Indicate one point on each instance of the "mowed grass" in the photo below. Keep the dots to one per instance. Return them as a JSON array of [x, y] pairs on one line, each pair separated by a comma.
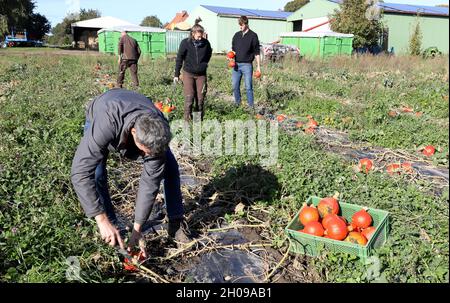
[[42, 98]]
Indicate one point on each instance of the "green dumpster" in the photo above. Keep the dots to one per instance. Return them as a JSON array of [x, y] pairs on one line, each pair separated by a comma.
[[151, 40], [319, 44]]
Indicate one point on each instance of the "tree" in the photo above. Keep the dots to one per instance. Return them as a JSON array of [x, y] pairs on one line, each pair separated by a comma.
[[16, 12], [415, 41], [360, 18], [152, 21], [3, 25], [19, 15], [62, 32], [86, 14], [294, 5], [37, 26]]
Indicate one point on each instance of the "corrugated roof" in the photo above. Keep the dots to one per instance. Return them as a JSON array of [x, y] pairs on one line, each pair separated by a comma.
[[101, 22], [410, 9], [133, 28], [250, 13], [414, 9]]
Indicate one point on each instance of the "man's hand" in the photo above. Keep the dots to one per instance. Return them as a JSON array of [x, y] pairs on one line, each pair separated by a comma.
[[136, 239], [176, 80], [118, 60], [109, 232]]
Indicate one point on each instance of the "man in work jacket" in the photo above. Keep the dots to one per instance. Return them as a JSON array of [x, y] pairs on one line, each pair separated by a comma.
[[127, 122], [129, 54]]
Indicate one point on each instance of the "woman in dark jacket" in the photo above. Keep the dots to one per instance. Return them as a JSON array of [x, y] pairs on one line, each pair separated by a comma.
[[194, 53]]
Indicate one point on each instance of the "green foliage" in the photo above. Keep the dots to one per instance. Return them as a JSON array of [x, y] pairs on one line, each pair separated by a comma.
[[294, 5], [16, 12], [20, 15], [415, 40], [37, 26], [355, 17], [3, 25], [151, 21], [41, 220]]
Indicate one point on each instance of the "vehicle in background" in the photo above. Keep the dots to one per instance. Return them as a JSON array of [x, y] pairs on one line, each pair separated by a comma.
[[19, 39], [275, 52]]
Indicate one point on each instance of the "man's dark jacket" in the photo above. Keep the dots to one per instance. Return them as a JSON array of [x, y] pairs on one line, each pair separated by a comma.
[[112, 115], [246, 46], [129, 48]]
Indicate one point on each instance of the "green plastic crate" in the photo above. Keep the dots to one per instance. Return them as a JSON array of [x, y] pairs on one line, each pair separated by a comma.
[[313, 246]]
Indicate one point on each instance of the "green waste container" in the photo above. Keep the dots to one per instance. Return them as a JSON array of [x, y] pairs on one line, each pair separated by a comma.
[[151, 40], [319, 44]]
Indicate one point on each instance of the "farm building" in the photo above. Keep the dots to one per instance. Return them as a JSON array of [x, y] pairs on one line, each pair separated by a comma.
[[179, 22], [221, 24], [399, 21], [84, 33]]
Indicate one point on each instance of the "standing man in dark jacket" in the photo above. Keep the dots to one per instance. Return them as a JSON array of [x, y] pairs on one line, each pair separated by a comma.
[[246, 46], [129, 54], [127, 122], [195, 52]]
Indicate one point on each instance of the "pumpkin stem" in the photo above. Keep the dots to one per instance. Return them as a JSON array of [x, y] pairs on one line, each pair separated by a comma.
[[336, 195]]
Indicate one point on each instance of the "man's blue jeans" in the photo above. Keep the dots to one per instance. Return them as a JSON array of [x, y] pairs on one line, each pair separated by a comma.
[[246, 70], [171, 186]]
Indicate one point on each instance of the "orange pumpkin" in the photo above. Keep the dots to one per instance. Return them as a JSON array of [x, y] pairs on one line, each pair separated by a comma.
[[362, 219], [328, 206], [356, 238], [336, 230], [365, 165], [429, 150], [368, 232], [308, 214], [230, 55], [313, 228]]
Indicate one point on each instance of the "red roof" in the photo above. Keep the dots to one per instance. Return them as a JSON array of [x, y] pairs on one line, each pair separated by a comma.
[[180, 17]]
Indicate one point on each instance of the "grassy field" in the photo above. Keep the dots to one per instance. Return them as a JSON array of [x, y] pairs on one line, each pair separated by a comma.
[[42, 95]]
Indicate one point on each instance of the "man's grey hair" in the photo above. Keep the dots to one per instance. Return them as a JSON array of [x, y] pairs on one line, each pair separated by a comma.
[[154, 133]]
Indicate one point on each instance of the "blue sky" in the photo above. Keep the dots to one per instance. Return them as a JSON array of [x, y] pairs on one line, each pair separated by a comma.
[[135, 10]]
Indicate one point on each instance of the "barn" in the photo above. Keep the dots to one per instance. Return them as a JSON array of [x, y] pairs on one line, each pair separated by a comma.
[[399, 21], [84, 33], [221, 23]]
